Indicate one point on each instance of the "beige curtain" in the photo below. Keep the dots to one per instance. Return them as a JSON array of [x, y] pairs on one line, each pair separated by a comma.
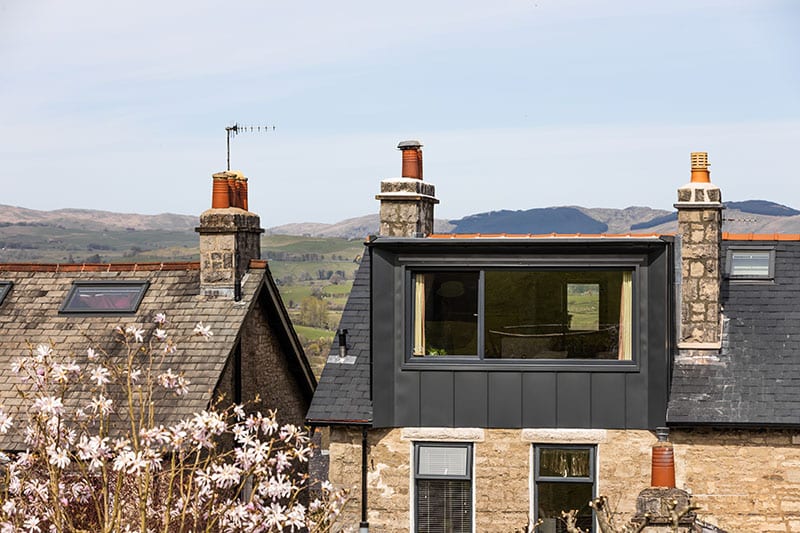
[[419, 314], [625, 317]]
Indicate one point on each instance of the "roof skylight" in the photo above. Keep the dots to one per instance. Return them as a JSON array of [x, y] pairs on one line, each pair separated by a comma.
[[104, 297]]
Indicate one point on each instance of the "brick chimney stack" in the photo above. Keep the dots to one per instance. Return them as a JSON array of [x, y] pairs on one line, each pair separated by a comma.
[[407, 202], [230, 236], [700, 231]]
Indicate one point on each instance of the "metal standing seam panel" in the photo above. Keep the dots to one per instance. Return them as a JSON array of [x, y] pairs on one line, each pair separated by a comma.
[[436, 399], [383, 340], [505, 400], [471, 399], [539, 400], [608, 401], [573, 397], [407, 408]]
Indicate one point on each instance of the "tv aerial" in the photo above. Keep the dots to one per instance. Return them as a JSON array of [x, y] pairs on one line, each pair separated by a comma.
[[236, 129]]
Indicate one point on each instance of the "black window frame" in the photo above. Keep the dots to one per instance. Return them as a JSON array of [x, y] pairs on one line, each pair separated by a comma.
[[536, 478], [770, 276], [78, 285], [412, 361], [468, 476], [5, 288]]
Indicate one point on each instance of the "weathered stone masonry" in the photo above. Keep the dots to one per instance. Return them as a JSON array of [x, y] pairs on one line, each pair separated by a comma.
[[743, 480], [700, 229]]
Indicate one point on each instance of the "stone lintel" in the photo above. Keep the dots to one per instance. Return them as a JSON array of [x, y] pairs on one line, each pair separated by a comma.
[[564, 436], [443, 434], [210, 230], [699, 205], [406, 197], [700, 346]]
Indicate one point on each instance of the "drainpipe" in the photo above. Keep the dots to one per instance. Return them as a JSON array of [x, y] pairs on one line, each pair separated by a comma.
[[363, 527]]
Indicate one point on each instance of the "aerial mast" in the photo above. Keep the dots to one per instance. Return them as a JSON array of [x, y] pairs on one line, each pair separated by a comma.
[[236, 128]]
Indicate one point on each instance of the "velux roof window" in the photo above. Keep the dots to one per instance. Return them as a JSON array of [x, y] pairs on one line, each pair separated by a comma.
[[104, 297], [5, 287], [751, 263]]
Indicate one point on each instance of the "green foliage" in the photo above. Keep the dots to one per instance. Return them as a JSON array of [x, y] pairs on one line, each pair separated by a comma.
[[313, 312]]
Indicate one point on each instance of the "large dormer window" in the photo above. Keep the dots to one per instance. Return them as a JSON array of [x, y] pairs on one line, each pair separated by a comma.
[[522, 314], [104, 297]]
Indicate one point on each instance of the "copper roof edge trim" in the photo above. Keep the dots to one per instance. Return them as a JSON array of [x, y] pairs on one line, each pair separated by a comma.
[[727, 236], [476, 236]]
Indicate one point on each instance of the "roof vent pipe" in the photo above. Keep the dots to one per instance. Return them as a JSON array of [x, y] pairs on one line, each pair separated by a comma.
[[412, 159]]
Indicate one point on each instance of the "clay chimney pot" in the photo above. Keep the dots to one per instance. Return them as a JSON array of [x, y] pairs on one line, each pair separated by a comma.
[[220, 197], [700, 172], [412, 159]]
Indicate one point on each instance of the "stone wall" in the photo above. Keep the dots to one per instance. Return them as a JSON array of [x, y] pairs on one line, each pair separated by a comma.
[[742, 480], [406, 207], [700, 274], [266, 370], [229, 238]]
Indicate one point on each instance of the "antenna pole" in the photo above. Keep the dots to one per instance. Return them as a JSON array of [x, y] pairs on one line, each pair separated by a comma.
[[236, 128]]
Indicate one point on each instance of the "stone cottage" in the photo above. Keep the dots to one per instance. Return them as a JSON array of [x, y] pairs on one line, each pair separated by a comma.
[[254, 351], [483, 382]]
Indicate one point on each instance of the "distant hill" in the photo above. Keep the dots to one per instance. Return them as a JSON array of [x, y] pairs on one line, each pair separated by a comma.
[[91, 219], [66, 235], [541, 220]]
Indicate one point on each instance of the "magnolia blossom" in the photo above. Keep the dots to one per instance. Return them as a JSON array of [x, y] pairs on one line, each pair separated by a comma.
[[100, 375], [42, 351], [6, 421], [48, 405], [111, 458], [136, 331], [203, 331]]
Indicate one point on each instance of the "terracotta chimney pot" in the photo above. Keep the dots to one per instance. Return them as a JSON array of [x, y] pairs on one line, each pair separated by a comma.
[[663, 462], [234, 194], [412, 159], [220, 197], [243, 182], [700, 172]]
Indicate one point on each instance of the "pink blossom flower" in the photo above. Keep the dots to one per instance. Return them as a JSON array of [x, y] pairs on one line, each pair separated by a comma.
[[203, 331]]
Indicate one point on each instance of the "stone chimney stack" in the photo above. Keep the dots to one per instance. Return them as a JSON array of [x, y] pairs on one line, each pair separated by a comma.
[[230, 236], [407, 202], [700, 231]]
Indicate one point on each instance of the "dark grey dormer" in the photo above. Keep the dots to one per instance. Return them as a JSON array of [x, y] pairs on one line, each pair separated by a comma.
[[520, 332]]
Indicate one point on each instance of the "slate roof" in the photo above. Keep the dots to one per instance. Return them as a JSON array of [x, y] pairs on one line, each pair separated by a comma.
[[757, 378], [343, 392], [29, 314]]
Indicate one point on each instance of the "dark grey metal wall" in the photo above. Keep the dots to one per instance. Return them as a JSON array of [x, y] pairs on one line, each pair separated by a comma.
[[524, 393]]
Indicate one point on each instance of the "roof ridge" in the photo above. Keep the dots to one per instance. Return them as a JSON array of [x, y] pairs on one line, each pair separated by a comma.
[[100, 267]]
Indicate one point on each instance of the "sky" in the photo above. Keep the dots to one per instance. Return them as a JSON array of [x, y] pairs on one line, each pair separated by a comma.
[[122, 106]]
